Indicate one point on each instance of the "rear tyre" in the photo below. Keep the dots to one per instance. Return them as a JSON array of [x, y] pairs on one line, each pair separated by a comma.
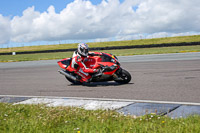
[[125, 77]]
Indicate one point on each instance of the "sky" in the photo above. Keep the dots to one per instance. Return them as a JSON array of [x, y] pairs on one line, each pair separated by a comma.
[[38, 22]]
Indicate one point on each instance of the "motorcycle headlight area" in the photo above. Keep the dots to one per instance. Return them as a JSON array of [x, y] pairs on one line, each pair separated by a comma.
[[112, 60]]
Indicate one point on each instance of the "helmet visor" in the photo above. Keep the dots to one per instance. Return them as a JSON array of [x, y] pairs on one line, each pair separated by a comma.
[[84, 51]]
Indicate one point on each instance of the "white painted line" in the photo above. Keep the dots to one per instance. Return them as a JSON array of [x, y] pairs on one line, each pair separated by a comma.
[[86, 104], [104, 99], [112, 105], [36, 101]]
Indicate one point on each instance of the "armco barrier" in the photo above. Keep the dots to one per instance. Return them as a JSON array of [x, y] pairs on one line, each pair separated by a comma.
[[110, 48]]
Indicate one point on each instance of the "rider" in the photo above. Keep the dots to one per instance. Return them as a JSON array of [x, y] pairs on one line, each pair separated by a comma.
[[78, 59]]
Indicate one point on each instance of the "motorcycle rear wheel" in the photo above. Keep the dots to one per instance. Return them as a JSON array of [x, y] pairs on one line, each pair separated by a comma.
[[126, 77]]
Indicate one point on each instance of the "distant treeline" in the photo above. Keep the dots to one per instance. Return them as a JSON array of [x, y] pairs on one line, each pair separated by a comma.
[[109, 48]]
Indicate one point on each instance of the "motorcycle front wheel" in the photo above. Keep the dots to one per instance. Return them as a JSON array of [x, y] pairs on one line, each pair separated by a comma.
[[125, 77]]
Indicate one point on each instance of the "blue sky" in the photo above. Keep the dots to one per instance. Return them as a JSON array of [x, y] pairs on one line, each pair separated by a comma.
[[16, 7], [40, 22]]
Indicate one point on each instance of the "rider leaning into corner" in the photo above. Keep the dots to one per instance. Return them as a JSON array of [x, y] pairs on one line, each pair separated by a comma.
[[80, 56]]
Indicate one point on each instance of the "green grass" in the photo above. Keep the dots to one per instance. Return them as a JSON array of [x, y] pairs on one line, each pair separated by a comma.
[[180, 39], [123, 52], [43, 119]]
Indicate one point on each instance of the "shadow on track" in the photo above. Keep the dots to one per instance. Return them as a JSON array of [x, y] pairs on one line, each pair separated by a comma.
[[98, 84]]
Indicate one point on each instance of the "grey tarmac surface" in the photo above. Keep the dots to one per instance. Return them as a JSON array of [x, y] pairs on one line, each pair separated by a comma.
[[167, 77]]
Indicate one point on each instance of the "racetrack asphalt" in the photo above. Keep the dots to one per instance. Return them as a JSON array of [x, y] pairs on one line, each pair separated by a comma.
[[166, 77]]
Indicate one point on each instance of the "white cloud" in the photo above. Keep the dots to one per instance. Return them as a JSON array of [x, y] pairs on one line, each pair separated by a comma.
[[165, 16], [22, 27], [83, 20]]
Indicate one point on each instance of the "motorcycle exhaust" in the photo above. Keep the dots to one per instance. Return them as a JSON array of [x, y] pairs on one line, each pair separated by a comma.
[[67, 75]]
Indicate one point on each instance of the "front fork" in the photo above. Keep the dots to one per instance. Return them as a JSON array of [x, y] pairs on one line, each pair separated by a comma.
[[117, 74]]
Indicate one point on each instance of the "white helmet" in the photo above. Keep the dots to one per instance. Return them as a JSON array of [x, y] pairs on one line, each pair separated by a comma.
[[83, 49]]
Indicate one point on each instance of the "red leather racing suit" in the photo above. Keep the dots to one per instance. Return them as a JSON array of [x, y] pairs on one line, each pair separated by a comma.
[[82, 69]]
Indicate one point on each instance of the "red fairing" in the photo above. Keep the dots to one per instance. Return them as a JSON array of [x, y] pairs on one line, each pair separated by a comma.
[[112, 72], [63, 66], [91, 62]]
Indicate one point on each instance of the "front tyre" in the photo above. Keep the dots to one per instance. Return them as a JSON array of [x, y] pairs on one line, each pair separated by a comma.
[[124, 77]]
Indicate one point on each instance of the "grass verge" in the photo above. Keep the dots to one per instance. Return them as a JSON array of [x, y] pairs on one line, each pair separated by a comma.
[[180, 39], [40, 118], [123, 52]]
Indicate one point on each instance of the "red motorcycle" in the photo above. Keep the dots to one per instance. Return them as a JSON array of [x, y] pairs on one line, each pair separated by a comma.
[[107, 63]]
